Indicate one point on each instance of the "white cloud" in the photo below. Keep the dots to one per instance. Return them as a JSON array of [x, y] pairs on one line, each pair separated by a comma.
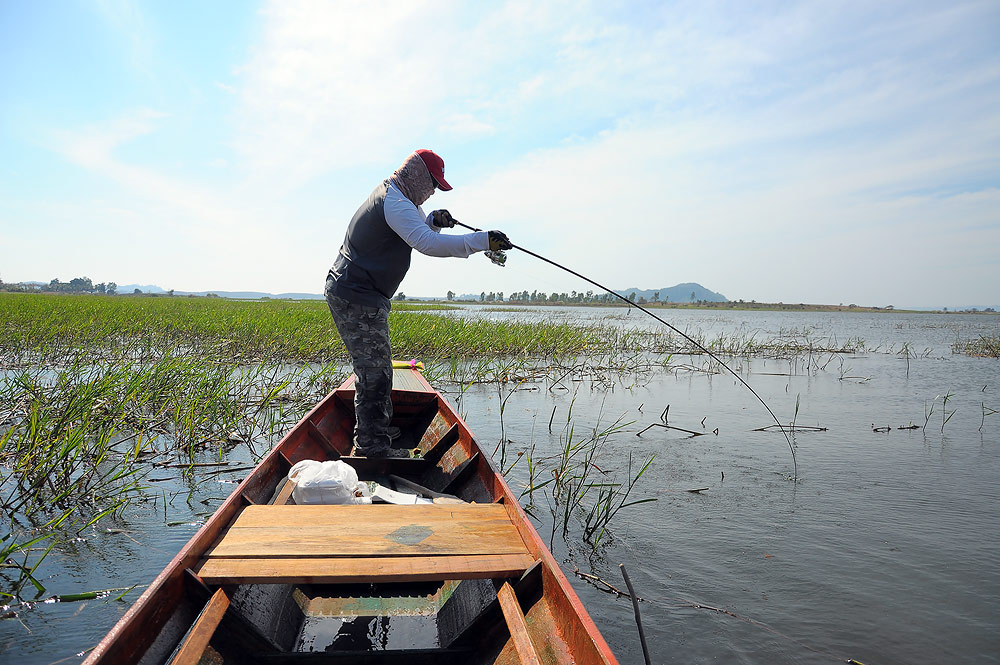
[[221, 240], [335, 80], [94, 149], [126, 18], [467, 125]]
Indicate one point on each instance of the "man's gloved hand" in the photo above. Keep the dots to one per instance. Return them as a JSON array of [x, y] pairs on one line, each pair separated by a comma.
[[442, 219], [499, 241]]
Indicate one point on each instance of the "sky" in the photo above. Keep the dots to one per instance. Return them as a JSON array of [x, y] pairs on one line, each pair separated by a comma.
[[818, 152]]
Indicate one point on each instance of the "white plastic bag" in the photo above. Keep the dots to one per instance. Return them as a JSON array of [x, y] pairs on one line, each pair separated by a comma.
[[327, 482]]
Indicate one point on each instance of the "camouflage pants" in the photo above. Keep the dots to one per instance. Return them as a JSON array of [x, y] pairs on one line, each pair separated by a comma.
[[365, 331]]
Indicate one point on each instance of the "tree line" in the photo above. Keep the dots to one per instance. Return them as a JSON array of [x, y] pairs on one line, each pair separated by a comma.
[[75, 285], [541, 297]]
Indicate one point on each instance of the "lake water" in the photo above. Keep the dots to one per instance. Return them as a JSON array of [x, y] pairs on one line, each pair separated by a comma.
[[884, 549]]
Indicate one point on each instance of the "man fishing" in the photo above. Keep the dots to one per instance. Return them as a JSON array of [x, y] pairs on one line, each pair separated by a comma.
[[369, 268]]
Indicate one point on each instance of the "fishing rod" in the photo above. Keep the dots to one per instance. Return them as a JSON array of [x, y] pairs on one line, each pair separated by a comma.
[[795, 466]]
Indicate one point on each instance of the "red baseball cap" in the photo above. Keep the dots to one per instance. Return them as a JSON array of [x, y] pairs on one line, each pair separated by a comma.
[[436, 166]]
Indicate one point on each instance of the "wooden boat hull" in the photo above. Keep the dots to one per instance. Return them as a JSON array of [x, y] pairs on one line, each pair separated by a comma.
[[264, 581]]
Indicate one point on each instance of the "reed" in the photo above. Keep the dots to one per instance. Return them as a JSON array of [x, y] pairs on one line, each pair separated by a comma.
[[53, 328], [986, 346], [576, 495], [24, 570], [612, 498], [945, 413]]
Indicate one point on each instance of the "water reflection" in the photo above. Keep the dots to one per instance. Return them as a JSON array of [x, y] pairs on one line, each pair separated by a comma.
[[368, 633]]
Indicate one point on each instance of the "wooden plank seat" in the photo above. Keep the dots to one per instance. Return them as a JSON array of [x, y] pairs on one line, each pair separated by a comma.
[[289, 544]]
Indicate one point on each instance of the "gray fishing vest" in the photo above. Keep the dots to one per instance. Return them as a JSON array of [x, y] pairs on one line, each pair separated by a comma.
[[373, 259]]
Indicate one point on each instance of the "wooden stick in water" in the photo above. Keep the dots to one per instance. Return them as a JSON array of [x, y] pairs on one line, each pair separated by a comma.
[[635, 608]]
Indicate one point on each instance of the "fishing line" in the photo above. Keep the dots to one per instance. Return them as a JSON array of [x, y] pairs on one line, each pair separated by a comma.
[[795, 466]]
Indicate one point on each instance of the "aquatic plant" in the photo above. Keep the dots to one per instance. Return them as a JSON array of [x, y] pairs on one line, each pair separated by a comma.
[[612, 498], [945, 413], [24, 572], [986, 346], [574, 494], [987, 411]]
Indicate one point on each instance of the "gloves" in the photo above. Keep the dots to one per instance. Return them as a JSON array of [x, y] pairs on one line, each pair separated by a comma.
[[442, 219], [499, 241]]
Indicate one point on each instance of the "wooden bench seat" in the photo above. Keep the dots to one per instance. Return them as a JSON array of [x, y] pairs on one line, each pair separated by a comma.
[[290, 544]]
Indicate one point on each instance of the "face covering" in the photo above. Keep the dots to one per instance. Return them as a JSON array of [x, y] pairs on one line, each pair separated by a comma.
[[414, 180]]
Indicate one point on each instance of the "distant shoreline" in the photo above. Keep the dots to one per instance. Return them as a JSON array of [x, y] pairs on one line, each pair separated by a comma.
[[732, 305]]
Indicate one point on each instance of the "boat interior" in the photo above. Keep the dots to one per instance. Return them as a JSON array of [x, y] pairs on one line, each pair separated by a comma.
[[463, 579]]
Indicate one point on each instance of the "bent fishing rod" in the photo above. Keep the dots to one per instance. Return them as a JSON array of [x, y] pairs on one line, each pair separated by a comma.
[[795, 466]]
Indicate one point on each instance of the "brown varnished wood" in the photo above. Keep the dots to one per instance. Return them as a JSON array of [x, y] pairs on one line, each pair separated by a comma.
[[526, 586], [373, 530], [284, 494], [307, 448], [203, 629], [333, 516], [517, 626], [348, 570], [436, 429], [370, 467], [436, 450]]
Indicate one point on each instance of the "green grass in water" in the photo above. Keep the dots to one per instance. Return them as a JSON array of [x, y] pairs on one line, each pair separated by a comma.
[[37, 326]]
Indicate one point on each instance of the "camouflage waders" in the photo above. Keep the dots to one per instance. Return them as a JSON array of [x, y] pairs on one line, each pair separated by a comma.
[[365, 331]]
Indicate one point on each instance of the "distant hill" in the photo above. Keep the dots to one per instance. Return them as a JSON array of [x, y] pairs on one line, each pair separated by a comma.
[[252, 295], [127, 289], [687, 292], [145, 288]]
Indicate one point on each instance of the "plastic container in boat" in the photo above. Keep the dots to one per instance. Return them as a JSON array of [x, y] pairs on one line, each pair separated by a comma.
[[330, 482]]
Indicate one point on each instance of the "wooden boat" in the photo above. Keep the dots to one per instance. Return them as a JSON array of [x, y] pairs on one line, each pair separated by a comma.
[[267, 581]]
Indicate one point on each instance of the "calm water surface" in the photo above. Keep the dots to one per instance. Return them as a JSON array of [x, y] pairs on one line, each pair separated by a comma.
[[886, 549]]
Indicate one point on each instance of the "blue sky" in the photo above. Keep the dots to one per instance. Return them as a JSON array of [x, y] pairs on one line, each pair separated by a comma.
[[827, 152]]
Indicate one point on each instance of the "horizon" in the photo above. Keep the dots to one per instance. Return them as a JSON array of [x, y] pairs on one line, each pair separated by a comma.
[[156, 290], [784, 152]]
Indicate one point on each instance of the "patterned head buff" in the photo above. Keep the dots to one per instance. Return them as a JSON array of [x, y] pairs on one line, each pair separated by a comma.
[[414, 180]]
